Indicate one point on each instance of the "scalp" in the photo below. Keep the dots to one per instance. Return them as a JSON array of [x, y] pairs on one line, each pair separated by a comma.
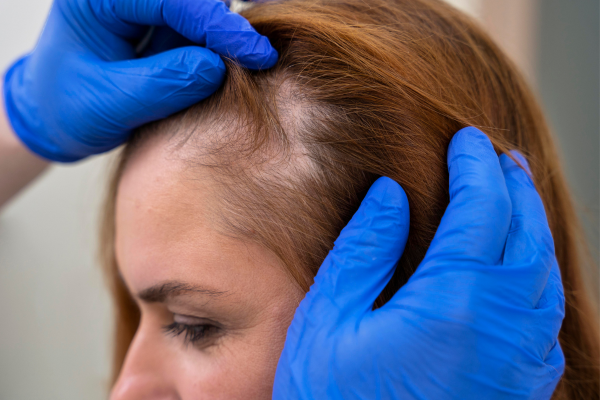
[[364, 89]]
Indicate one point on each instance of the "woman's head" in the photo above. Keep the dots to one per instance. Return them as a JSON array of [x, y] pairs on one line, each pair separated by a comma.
[[244, 193], [183, 272]]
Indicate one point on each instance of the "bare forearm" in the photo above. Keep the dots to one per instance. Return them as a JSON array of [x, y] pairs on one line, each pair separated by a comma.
[[18, 166]]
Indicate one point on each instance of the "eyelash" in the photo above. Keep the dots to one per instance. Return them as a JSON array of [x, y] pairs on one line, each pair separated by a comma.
[[192, 334]]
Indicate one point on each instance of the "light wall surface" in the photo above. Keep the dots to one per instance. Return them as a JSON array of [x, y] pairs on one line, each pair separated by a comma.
[[569, 84], [54, 312]]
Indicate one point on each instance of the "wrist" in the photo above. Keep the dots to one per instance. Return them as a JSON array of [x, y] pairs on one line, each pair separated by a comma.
[[10, 143], [18, 165]]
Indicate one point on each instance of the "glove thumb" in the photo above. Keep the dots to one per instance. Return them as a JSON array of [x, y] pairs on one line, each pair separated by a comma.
[[152, 88], [365, 254]]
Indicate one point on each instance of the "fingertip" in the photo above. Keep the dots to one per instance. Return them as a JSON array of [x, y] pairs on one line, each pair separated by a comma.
[[507, 163], [388, 193], [469, 140], [385, 212], [271, 58], [203, 66], [521, 159], [231, 35], [470, 131], [473, 166], [261, 55], [512, 170]]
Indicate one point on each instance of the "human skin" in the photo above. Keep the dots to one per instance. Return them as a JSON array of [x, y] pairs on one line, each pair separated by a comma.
[[168, 236], [18, 165]]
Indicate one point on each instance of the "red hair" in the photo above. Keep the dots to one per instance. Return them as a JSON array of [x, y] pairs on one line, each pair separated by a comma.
[[364, 89]]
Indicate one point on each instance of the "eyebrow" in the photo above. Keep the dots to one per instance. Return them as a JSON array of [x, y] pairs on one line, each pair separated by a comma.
[[162, 292]]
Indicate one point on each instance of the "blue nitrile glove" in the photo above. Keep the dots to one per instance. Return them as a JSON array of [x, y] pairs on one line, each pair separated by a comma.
[[479, 319], [83, 89]]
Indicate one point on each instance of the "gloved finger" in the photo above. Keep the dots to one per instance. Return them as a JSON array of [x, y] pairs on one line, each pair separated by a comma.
[[164, 38], [555, 368], [153, 88], [208, 23], [530, 240], [476, 222], [551, 309], [167, 82], [365, 254], [556, 361]]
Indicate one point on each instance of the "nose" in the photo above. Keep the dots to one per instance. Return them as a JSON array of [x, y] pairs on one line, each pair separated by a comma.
[[145, 373]]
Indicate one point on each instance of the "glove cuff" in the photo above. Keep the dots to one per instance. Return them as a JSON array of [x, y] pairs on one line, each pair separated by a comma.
[[22, 124]]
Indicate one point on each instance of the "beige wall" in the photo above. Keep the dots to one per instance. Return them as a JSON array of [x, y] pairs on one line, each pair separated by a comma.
[[512, 23], [54, 312]]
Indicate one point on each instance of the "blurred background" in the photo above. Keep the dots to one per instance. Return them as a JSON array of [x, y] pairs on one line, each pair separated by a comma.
[[55, 320]]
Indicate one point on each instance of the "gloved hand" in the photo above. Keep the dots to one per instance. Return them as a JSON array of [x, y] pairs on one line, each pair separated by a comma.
[[479, 319], [83, 89]]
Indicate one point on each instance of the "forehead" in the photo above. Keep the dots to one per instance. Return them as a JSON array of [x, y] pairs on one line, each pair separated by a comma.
[[167, 228]]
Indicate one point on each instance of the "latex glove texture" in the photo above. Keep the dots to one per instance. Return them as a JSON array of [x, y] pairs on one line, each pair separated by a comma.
[[83, 89], [479, 319]]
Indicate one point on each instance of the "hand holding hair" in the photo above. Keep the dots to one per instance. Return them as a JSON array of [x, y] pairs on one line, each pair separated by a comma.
[[480, 317], [84, 89]]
